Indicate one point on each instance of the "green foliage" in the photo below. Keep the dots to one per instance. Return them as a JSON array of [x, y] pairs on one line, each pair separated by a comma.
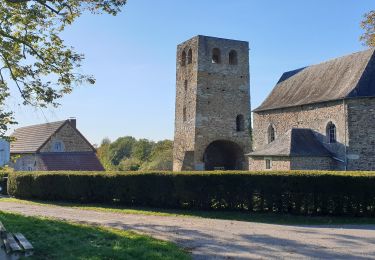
[[103, 154], [368, 24], [129, 164], [121, 148], [33, 56], [161, 157], [54, 239], [292, 192], [127, 153], [142, 149]]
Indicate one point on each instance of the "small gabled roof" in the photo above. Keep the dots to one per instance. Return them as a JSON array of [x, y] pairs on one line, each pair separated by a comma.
[[30, 139], [350, 76], [79, 161], [295, 142]]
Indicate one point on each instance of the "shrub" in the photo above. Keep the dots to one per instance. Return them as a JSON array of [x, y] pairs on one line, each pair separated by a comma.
[[294, 192]]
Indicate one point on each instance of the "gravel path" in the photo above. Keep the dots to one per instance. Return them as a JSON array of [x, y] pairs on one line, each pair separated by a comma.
[[225, 239]]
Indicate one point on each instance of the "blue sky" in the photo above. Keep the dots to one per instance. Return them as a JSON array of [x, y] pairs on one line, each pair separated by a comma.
[[132, 56]]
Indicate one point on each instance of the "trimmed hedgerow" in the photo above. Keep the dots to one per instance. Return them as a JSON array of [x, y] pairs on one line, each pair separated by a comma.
[[293, 192]]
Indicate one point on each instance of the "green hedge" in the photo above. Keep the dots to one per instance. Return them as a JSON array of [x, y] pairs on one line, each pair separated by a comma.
[[294, 192]]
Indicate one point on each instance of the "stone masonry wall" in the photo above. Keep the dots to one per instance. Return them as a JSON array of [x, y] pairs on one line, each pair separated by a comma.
[[277, 164], [184, 137], [72, 141], [217, 93], [361, 125], [315, 117], [312, 163]]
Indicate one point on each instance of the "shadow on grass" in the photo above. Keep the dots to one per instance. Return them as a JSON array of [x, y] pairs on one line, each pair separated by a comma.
[[54, 239]]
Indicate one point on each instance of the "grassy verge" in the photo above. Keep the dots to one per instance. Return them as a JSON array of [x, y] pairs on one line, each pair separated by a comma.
[[227, 215], [54, 239]]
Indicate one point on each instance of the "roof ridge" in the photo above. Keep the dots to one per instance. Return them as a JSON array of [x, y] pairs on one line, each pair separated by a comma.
[[29, 126]]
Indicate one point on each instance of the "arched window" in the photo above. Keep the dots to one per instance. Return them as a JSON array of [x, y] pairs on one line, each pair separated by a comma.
[[185, 85], [233, 57], [183, 58], [216, 55], [271, 134], [240, 123], [190, 56], [331, 133], [184, 114]]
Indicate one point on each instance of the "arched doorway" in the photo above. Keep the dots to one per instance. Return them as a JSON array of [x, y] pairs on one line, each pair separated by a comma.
[[223, 154]]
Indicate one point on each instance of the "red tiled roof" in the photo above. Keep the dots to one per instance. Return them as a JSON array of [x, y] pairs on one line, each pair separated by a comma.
[[80, 161]]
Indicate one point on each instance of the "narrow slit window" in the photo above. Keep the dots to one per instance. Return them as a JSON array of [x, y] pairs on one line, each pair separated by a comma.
[[268, 164], [240, 123], [190, 56], [233, 57], [271, 134], [216, 55], [183, 58]]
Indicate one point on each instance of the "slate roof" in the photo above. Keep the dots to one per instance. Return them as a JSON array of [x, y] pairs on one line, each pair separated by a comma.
[[350, 76], [79, 161], [295, 142], [30, 138]]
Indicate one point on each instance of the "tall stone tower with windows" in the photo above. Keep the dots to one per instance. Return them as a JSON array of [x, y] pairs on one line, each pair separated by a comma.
[[212, 105]]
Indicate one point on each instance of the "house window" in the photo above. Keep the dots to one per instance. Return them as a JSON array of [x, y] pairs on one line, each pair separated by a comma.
[[216, 55], [240, 123], [57, 146], [183, 58], [233, 57], [190, 56], [331, 133], [268, 164], [271, 134]]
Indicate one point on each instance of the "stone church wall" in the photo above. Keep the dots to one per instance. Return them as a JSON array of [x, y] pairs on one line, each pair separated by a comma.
[[361, 125], [315, 117]]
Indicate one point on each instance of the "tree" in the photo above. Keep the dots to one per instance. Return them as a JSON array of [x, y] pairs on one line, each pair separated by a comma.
[[103, 154], [33, 56], [142, 149], [161, 157], [368, 24], [121, 148]]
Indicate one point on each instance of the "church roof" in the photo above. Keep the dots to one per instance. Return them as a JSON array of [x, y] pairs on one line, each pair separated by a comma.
[[295, 142], [350, 76]]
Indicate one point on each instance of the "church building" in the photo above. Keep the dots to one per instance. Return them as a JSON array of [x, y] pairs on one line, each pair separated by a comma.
[[320, 117]]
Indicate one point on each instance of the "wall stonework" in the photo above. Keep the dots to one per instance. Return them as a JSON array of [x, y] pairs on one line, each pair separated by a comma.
[[314, 116], [361, 125], [216, 94], [277, 163], [71, 140]]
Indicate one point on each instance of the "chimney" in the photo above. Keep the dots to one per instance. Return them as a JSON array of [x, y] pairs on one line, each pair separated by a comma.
[[73, 122]]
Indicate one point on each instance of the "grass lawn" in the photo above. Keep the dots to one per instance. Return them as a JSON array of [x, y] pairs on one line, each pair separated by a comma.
[[54, 239], [229, 215]]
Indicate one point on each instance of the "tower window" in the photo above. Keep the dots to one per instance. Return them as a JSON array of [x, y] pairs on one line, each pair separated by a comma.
[[183, 58], [185, 85], [331, 133], [233, 57], [216, 55], [184, 114], [271, 134], [190, 56], [240, 123]]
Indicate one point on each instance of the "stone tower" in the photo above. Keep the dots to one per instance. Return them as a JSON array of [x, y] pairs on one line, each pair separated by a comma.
[[212, 105]]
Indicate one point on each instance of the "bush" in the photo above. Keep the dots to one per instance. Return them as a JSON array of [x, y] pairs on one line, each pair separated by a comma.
[[294, 192]]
